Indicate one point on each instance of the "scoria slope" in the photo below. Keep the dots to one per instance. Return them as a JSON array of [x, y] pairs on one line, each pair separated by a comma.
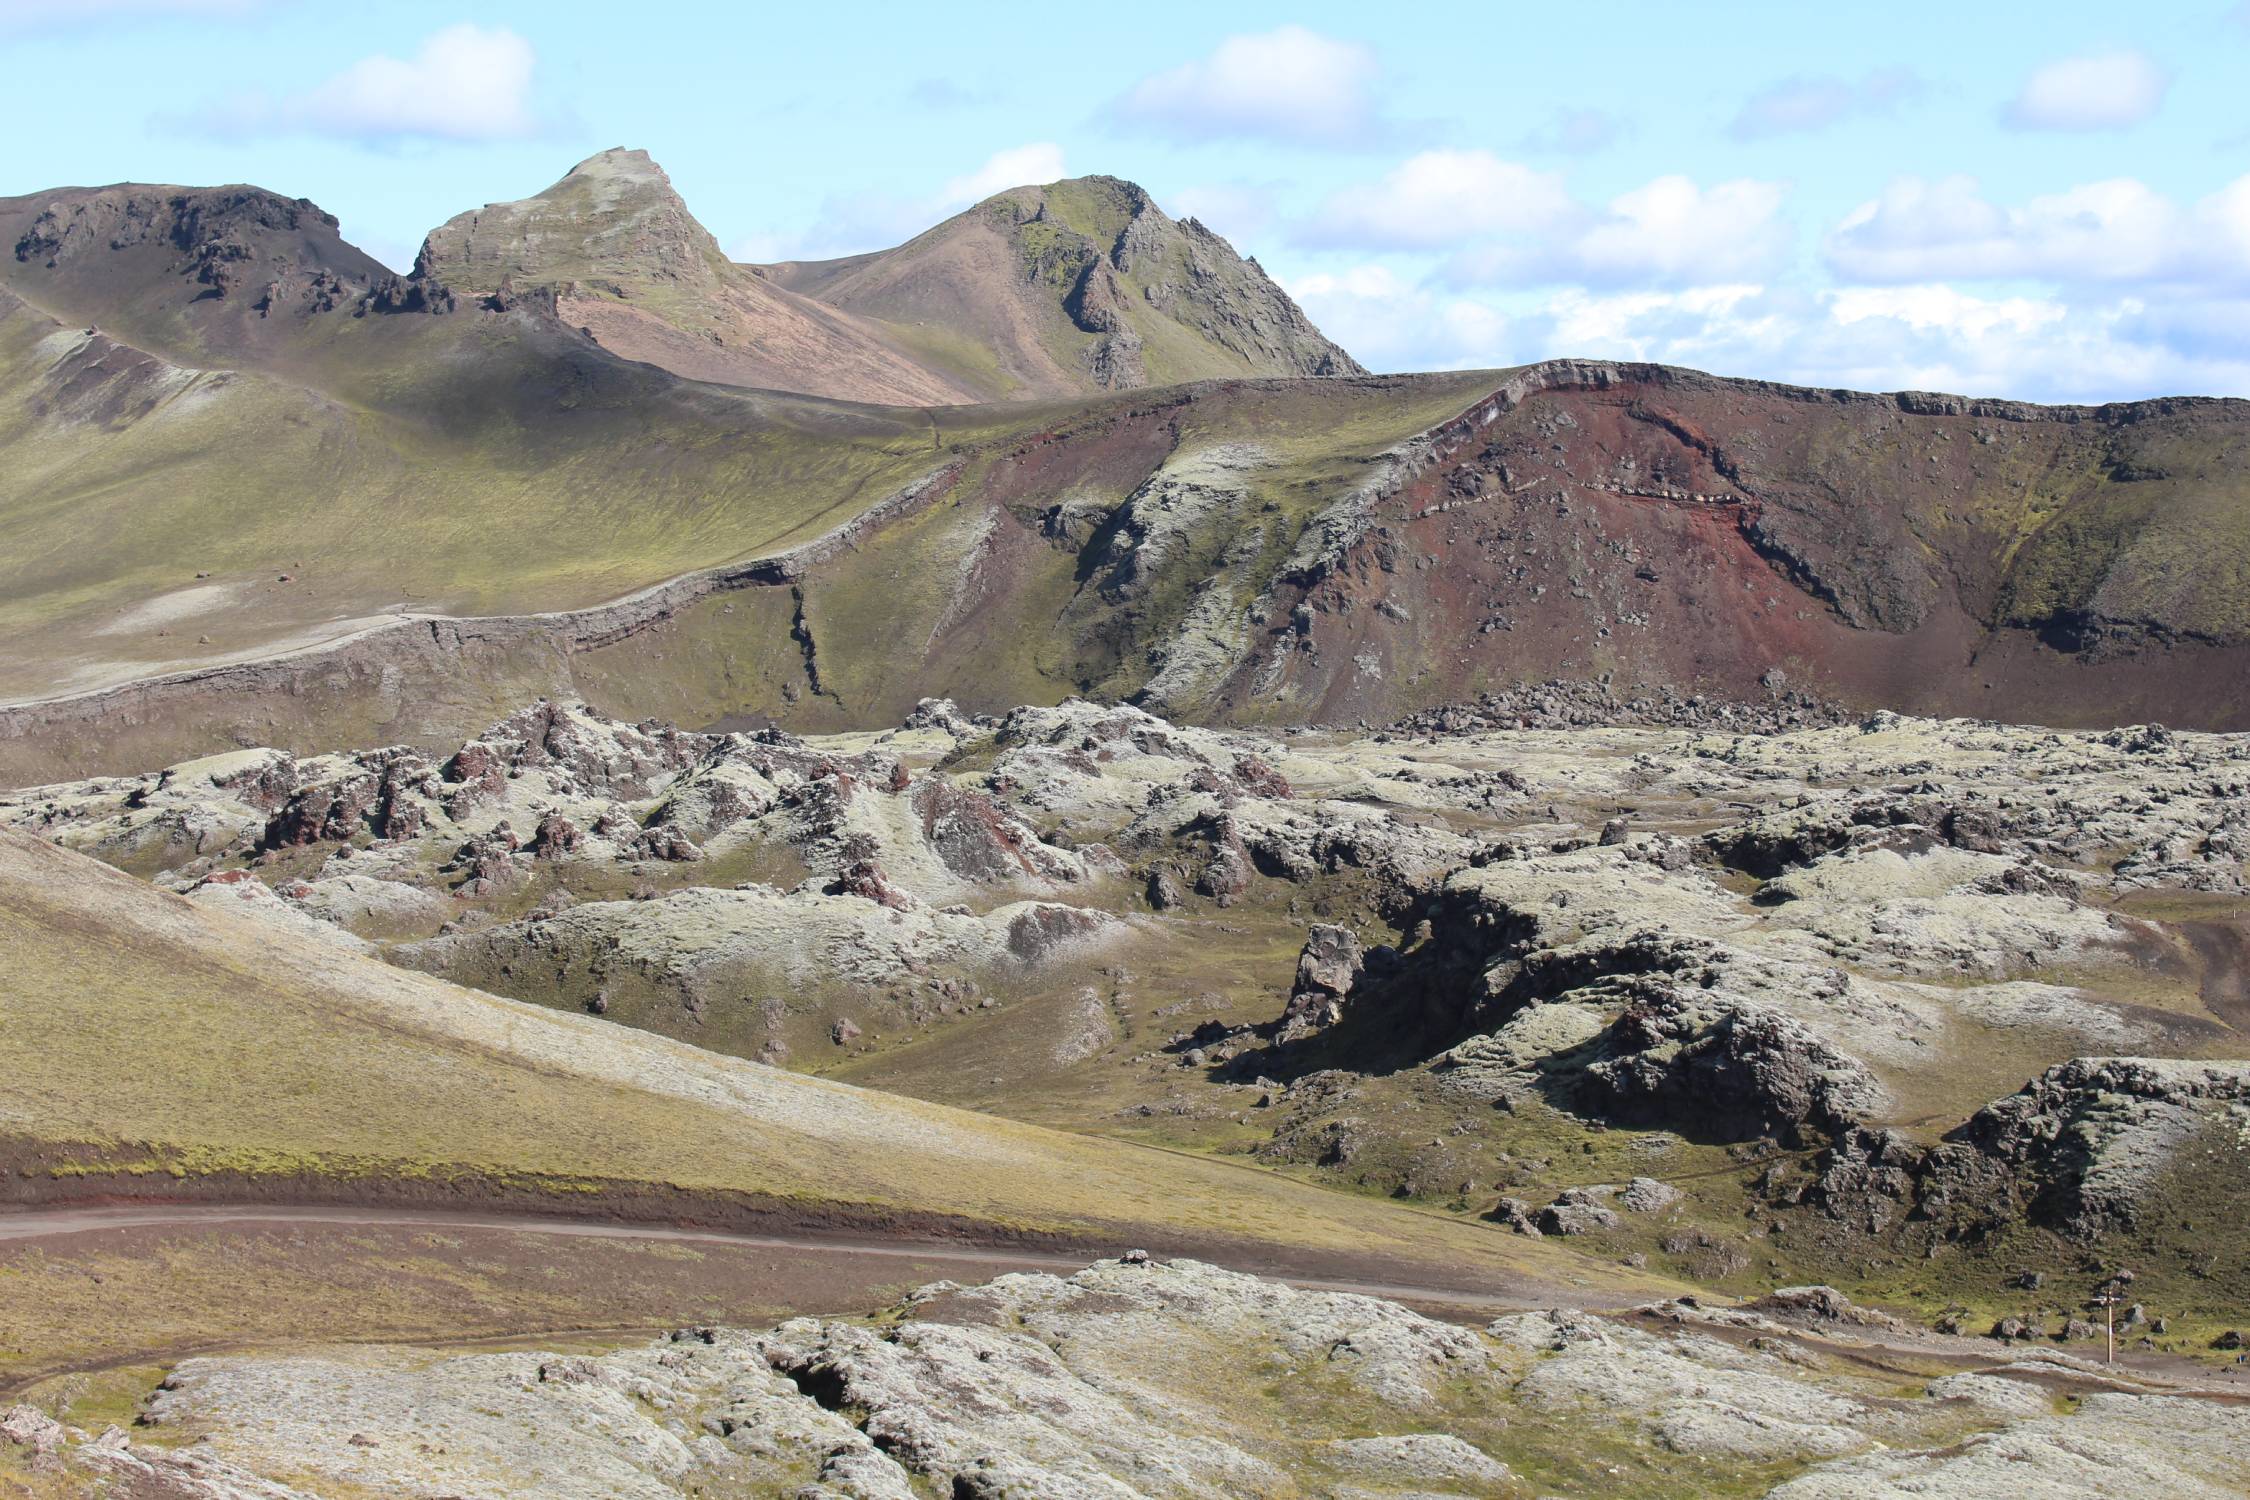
[[1285, 553], [612, 250], [1079, 285]]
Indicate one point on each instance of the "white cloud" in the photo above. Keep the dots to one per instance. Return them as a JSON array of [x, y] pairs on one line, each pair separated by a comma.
[[1390, 323], [1944, 309], [1018, 166], [877, 221], [464, 83], [1676, 232], [1938, 338], [2103, 91], [2223, 225], [1441, 198], [1919, 228], [1289, 84], [1922, 337], [1668, 326], [1798, 106], [1510, 223], [2116, 230]]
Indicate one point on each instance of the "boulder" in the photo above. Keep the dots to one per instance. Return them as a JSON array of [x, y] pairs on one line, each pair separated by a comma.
[[1646, 1195], [1576, 1211], [29, 1427], [1728, 1068], [555, 837], [1226, 871], [1327, 968], [1517, 1215], [1044, 932]]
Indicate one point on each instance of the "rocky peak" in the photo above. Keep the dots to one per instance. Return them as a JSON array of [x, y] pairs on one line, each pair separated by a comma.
[[621, 163], [613, 221], [185, 218], [226, 240], [1119, 262], [611, 251]]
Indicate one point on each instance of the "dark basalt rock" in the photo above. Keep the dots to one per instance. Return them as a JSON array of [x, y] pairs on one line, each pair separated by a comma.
[[1726, 1069], [2078, 1148], [1327, 968]]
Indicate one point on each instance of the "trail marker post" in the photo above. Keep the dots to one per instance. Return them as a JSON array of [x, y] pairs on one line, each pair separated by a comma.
[[2110, 1294]]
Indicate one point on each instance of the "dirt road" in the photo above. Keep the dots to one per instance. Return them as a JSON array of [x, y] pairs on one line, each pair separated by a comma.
[[47, 1223]]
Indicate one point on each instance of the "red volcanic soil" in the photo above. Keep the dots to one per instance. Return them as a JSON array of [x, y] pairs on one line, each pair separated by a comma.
[[1723, 537]]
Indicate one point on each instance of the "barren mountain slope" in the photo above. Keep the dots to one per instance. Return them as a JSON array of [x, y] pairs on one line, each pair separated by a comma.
[[612, 249], [1269, 553], [1083, 284], [235, 394], [254, 400]]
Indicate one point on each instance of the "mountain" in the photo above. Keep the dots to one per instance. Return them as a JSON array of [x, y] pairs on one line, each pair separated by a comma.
[[1055, 291], [612, 250], [1074, 287], [214, 274], [1079, 284], [1258, 551], [348, 451], [259, 489]]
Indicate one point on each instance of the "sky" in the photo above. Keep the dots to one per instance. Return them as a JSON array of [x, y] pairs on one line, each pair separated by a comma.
[[2048, 202]]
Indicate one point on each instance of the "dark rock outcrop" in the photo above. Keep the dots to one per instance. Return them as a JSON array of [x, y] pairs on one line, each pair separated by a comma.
[[1728, 1069], [1327, 968], [2086, 1147]]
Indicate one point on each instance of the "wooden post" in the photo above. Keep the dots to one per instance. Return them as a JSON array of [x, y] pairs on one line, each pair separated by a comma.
[[2107, 1299]]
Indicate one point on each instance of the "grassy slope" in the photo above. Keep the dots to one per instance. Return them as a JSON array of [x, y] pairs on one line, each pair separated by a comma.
[[1172, 350], [141, 1031], [463, 465], [1045, 635], [909, 612], [2143, 520], [466, 464]]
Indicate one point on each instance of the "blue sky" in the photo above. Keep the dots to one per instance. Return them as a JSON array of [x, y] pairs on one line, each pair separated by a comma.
[[2050, 202]]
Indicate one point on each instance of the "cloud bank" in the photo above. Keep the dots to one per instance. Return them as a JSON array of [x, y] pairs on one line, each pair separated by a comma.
[[464, 83], [1291, 85]]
